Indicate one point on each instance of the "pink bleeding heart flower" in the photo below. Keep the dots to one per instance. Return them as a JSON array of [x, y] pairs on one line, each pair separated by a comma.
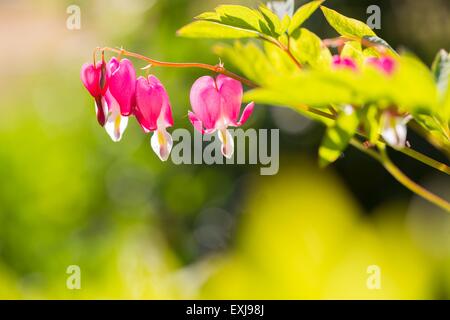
[[344, 63], [154, 114], [120, 97], [216, 104], [384, 64], [122, 84], [95, 78]]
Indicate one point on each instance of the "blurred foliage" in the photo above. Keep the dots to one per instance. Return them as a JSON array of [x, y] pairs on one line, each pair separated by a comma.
[[142, 229]]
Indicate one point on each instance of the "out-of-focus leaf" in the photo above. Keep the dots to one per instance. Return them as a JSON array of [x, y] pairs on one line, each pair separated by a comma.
[[248, 58], [302, 89], [371, 121], [302, 14], [338, 136], [353, 49], [279, 59], [307, 48], [214, 30], [347, 27]]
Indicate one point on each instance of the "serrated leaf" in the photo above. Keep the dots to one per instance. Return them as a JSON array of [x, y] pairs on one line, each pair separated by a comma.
[[347, 27], [338, 136], [214, 30], [302, 14]]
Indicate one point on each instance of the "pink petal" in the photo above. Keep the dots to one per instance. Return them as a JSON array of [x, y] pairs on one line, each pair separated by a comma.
[[95, 78], [231, 92], [149, 103], [206, 101], [344, 63], [122, 84], [166, 107], [196, 122], [246, 114]]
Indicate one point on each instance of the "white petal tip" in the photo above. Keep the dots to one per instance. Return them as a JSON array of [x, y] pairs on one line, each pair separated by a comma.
[[162, 144]]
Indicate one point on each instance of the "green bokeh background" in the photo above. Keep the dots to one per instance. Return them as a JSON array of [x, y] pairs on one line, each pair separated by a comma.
[[142, 229]]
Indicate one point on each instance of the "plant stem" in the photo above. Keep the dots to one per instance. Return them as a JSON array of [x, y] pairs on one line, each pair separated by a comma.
[[217, 68], [383, 158]]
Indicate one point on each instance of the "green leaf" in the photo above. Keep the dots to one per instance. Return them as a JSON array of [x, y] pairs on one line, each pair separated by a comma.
[[374, 41], [338, 136], [371, 121], [272, 20], [214, 30], [242, 17], [353, 49], [249, 59], [307, 48], [230, 21], [347, 27], [312, 88], [302, 14]]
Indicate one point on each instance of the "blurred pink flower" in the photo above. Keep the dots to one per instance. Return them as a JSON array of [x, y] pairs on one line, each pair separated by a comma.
[[217, 104], [385, 64], [344, 63], [154, 114]]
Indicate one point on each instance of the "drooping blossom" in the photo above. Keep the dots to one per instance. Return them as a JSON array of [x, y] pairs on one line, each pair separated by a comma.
[[112, 85], [95, 78], [216, 105], [344, 63], [394, 129], [120, 96], [282, 8], [384, 64], [154, 114]]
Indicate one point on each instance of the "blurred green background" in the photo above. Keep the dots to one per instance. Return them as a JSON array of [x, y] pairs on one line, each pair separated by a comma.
[[141, 229]]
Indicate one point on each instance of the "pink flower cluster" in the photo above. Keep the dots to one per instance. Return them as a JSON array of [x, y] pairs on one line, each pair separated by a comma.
[[119, 94], [384, 64]]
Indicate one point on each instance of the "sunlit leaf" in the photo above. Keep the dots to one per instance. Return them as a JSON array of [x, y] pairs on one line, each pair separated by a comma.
[[214, 30], [338, 136], [272, 20], [347, 27], [375, 41], [302, 14], [353, 50]]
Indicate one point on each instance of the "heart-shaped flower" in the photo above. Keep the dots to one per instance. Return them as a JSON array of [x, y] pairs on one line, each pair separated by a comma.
[[216, 105]]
